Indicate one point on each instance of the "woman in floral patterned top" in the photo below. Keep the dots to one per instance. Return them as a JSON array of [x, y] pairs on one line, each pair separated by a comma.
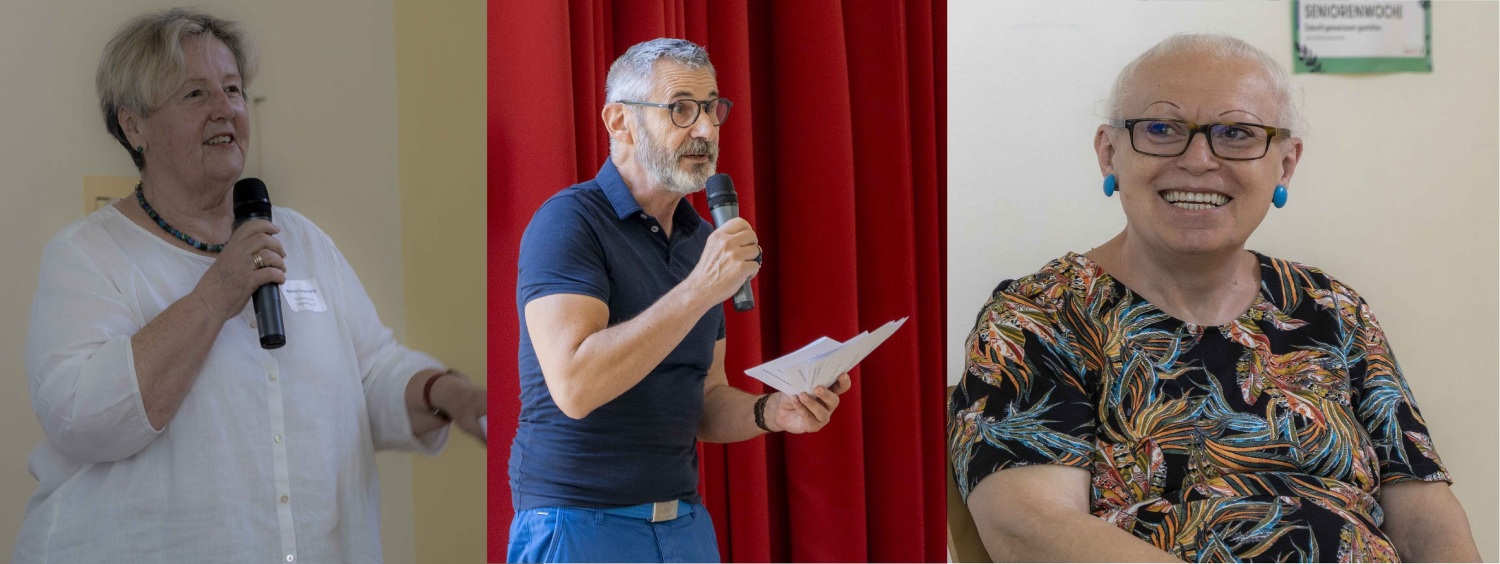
[[1171, 395]]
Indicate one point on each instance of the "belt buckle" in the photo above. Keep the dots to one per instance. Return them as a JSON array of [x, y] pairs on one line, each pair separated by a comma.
[[663, 511]]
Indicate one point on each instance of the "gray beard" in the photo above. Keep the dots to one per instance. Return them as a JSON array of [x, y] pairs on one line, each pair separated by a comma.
[[661, 167]]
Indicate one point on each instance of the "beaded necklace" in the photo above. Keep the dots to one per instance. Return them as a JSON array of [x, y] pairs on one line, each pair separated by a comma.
[[140, 196]]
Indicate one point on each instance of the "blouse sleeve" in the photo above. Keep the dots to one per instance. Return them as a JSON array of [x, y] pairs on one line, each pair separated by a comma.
[[1020, 402], [385, 367], [79, 361], [1387, 408]]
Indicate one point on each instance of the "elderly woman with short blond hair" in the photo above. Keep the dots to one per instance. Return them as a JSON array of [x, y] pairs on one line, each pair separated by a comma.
[[171, 435], [1171, 395]]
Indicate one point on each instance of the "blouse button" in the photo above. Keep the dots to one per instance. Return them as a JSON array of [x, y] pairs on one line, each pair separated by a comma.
[[283, 499], [291, 558], [277, 438], [655, 229]]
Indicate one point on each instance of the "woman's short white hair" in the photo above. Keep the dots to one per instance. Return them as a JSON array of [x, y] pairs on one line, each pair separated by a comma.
[[1220, 47], [631, 76], [144, 63]]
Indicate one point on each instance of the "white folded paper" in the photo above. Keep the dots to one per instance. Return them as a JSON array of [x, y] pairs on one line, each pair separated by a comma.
[[821, 362]]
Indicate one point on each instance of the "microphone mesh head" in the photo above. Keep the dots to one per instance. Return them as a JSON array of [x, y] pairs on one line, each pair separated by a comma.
[[720, 191], [251, 200]]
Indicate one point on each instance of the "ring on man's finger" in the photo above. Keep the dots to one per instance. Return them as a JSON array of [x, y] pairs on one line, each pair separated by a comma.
[[259, 262], [758, 252]]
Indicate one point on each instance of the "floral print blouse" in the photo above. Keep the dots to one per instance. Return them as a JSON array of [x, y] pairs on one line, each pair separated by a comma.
[[1267, 438]]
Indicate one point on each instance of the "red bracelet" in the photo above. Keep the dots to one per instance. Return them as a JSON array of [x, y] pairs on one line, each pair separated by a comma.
[[427, 395]]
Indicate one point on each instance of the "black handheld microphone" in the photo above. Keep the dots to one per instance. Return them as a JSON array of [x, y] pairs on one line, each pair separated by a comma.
[[725, 205], [251, 202]]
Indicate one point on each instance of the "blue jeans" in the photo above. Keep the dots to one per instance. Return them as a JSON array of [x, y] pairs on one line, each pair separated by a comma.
[[574, 534]]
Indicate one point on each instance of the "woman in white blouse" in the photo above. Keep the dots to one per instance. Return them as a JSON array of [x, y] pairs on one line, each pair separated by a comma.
[[171, 435]]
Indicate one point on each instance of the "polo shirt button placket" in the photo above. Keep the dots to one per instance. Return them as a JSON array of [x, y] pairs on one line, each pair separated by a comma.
[[597, 206]]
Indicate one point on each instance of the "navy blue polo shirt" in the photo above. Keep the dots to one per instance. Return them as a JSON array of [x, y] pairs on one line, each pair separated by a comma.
[[593, 239]]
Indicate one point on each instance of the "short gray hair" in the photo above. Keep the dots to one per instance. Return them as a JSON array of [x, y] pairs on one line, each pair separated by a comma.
[[1219, 47], [144, 63], [631, 77]]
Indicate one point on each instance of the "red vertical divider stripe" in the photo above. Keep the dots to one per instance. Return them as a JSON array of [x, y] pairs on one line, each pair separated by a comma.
[[887, 238], [926, 45], [530, 144]]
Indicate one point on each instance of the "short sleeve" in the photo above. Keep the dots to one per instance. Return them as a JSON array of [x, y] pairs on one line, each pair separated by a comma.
[[560, 254], [1020, 402], [1386, 406]]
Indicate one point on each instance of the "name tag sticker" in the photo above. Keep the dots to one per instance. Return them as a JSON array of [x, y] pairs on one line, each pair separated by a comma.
[[303, 295]]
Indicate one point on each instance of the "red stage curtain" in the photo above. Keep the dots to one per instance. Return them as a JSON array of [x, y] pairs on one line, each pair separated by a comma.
[[837, 148]]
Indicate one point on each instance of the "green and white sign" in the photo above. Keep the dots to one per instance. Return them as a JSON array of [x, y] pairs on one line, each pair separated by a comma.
[[1355, 36]]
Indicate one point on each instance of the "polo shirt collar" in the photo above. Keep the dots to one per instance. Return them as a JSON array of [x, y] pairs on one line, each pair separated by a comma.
[[626, 207]]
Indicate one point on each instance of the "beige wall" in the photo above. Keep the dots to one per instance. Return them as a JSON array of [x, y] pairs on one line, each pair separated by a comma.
[[440, 87], [326, 143], [1396, 194]]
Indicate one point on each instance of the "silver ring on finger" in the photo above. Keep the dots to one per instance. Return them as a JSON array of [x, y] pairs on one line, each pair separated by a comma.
[[758, 252], [259, 262]]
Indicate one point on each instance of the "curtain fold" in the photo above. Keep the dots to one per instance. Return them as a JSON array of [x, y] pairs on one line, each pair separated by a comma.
[[836, 148]]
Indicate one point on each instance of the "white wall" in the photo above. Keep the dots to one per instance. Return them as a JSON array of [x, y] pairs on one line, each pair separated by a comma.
[[1395, 194], [326, 146], [440, 72]]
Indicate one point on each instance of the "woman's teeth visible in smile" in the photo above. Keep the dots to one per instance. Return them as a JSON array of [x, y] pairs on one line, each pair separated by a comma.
[[1195, 200]]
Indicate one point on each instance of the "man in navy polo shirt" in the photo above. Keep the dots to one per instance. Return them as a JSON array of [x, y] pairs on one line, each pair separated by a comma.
[[620, 290]]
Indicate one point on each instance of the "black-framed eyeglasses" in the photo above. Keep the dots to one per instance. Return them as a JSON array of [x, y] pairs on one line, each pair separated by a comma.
[[685, 112], [1231, 141]]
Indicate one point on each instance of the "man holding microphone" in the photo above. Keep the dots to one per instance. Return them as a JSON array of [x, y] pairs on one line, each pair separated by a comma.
[[620, 292]]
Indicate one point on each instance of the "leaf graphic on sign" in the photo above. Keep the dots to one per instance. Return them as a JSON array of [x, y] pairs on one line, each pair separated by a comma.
[[1308, 58]]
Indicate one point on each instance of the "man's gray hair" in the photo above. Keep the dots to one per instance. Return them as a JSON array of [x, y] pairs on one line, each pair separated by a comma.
[[144, 63], [631, 77], [1220, 47]]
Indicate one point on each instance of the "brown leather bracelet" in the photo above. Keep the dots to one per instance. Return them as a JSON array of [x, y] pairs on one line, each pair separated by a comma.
[[427, 395], [760, 413]]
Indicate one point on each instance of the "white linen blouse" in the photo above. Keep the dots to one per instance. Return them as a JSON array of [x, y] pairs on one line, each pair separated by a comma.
[[270, 458]]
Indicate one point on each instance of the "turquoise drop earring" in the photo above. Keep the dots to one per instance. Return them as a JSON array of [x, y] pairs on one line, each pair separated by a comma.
[[1110, 186], [1278, 198]]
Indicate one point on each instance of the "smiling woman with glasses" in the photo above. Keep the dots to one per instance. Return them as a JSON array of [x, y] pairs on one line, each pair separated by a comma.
[[1234, 141], [1171, 395]]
